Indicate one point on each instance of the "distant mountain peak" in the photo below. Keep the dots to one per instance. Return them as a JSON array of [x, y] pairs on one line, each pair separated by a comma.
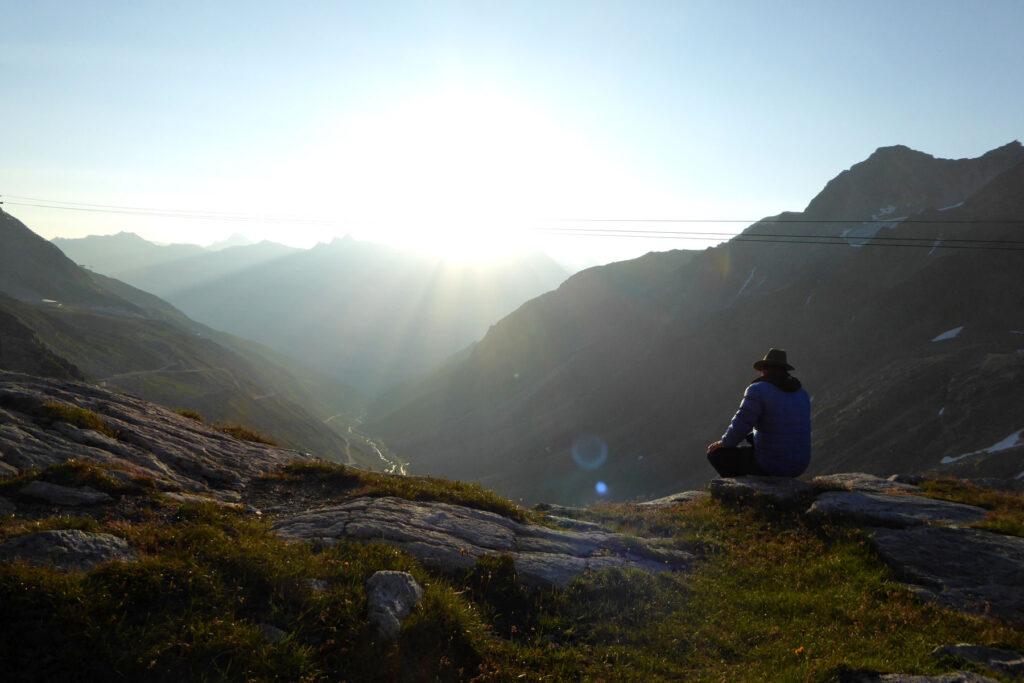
[[236, 240], [909, 181]]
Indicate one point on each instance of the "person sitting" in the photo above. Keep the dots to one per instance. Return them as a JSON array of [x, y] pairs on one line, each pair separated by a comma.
[[775, 418]]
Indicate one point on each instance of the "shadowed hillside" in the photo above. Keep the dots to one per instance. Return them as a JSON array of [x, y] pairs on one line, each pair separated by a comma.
[[61, 320], [638, 365]]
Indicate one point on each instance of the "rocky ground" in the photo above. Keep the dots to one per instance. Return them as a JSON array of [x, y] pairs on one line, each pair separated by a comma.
[[152, 461]]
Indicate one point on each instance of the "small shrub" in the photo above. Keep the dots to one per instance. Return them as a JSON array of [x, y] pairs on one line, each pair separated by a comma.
[[190, 414]]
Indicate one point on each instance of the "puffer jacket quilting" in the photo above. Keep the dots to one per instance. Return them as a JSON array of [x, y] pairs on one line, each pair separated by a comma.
[[781, 424]]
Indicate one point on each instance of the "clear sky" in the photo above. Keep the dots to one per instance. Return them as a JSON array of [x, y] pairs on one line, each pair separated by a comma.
[[441, 123]]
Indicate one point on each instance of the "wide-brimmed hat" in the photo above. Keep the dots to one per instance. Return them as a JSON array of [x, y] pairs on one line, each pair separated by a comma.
[[775, 358]]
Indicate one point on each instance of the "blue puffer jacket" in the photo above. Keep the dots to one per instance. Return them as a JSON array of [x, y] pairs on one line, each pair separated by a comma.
[[778, 412]]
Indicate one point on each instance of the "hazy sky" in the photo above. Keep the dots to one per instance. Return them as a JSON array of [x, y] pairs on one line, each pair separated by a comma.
[[433, 121]]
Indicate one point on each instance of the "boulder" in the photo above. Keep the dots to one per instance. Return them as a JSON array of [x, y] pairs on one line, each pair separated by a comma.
[[390, 598], [891, 510], [867, 483], [779, 491], [967, 569], [55, 494], [1003, 661], [67, 549], [451, 538]]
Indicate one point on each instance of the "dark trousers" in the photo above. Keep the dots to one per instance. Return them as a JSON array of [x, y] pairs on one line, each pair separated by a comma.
[[735, 462]]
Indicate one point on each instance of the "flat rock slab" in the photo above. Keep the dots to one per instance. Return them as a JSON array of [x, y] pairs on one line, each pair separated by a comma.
[[450, 538], [891, 510], [55, 494], [175, 451], [781, 491], [867, 483], [968, 569], [678, 499], [1005, 662], [67, 549], [956, 677]]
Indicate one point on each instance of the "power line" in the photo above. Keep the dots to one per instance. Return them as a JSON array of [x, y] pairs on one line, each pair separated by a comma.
[[565, 226], [186, 213]]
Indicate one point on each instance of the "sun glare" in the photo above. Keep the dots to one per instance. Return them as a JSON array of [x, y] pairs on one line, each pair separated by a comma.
[[461, 173]]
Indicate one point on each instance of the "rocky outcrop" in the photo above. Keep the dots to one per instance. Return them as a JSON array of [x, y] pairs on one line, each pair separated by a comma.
[[891, 510], [67, 549], [867, 483], [141, 438], [63, 495], [451, 538], [968, 569], [390, 598], [955, 677], [1005, 662], [677, 499], [779, 491], [922, 539]]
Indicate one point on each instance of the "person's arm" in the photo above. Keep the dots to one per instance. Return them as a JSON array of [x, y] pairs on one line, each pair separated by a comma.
[[745, 419]]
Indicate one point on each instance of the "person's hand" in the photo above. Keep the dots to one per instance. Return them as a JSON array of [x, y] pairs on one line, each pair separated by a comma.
[[715, 446]]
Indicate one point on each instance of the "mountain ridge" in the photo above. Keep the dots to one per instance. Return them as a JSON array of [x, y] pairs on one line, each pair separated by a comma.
[[114, 334], [658, 382]]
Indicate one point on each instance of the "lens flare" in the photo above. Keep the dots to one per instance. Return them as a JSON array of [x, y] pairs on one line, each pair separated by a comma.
[[589, 451], [601, 488]]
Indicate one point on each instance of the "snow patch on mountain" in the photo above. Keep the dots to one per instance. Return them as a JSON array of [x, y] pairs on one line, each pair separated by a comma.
[[1012, 441], [949, 334], [745, 283], [862, 233]]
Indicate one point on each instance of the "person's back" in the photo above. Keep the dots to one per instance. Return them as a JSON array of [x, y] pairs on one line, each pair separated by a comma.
[[782, 434], [775, 415]]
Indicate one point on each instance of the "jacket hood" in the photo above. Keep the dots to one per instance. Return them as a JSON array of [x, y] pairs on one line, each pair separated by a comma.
[[786, 383]]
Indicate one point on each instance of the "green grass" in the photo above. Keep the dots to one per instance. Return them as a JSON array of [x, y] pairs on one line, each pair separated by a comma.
[[191, 610], [770, 599], [1005, 509]]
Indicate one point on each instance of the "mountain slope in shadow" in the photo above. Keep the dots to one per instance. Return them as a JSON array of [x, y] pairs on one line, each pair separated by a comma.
[[635, 367]]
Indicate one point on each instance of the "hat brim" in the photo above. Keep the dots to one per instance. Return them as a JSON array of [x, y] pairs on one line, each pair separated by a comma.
[[762, 364]]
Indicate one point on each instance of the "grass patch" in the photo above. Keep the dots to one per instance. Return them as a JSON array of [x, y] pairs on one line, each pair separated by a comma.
[[1006, 509], [80, 417], [246, 434], [191, 608], [770, 599], [79, 473], [190, 414]]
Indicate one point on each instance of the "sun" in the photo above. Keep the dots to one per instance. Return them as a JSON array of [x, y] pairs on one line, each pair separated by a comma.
[[459, 172]]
